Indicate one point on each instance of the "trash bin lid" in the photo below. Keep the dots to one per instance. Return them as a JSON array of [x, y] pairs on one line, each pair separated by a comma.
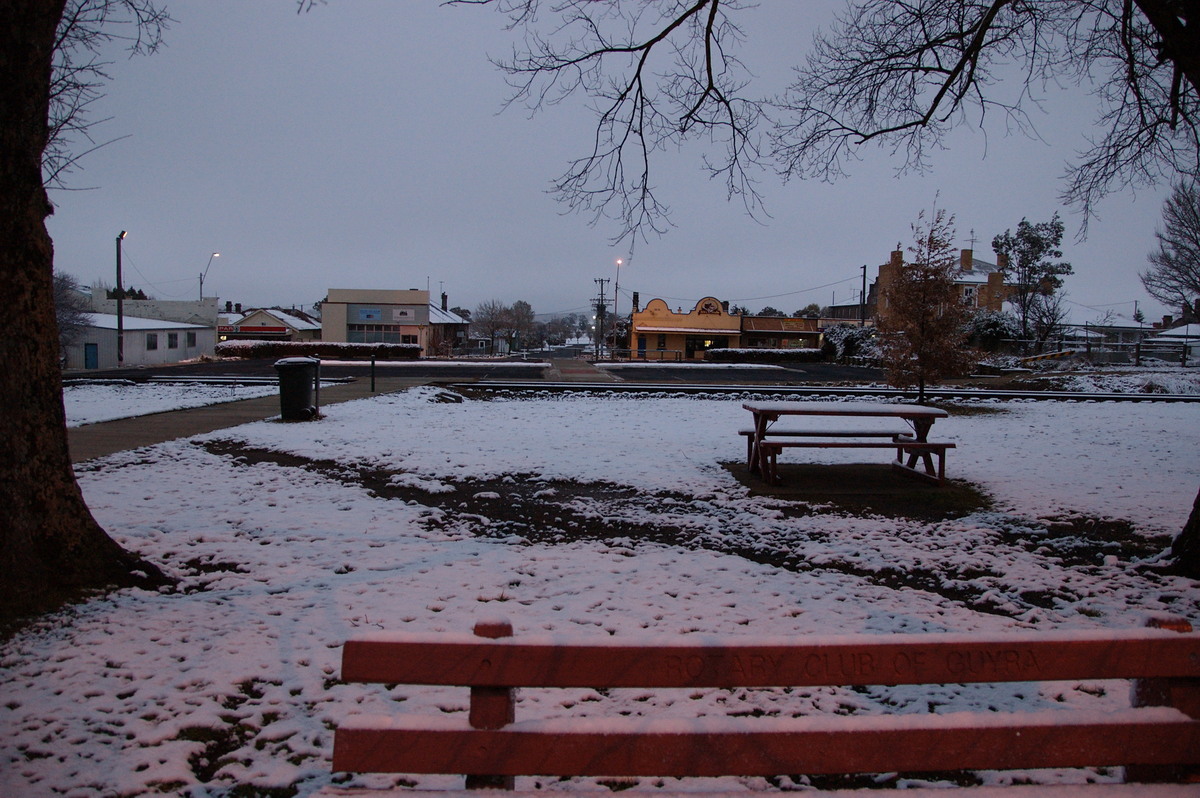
[[296, 361]]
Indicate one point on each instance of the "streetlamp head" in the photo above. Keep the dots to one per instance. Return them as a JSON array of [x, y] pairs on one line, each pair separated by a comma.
[[122, 235]]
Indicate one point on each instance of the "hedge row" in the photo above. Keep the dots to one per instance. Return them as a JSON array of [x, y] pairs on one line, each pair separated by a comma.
[[326, 350], [763, 355]]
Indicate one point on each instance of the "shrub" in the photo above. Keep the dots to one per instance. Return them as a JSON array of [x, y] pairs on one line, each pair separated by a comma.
[[793, 355], [328, 350]]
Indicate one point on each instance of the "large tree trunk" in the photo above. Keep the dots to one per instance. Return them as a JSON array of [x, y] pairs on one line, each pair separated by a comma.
[[1186, 548], [51, 549]]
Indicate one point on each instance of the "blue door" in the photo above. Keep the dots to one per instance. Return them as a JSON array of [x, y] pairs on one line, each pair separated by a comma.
[[91, 356]]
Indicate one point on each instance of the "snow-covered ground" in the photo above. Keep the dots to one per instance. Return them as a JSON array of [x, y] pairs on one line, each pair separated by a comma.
[[407, 513], [91, 403]]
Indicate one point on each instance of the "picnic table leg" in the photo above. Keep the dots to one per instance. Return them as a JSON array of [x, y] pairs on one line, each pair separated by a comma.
[[926, 458], [921, 427], [759, 458], [491, 708]]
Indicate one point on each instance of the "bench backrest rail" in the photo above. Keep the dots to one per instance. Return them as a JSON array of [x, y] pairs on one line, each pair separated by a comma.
[[745, 662], [1158, 739]]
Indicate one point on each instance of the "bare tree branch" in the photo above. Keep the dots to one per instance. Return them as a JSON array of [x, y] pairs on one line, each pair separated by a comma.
[[899, 75], [79, 73], [1174, 274], [661, 73]]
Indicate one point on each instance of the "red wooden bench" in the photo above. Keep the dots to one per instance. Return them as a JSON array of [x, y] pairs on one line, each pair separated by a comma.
[[1158, 739]]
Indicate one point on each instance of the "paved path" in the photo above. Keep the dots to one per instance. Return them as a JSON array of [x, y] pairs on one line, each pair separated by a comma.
[[108, 437], [563, 370]]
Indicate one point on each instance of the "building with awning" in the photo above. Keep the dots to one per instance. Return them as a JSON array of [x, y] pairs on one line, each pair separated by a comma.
[[780, 332], [659, 333]]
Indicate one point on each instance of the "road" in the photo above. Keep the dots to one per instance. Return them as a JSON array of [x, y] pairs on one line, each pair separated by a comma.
[[462, 371]]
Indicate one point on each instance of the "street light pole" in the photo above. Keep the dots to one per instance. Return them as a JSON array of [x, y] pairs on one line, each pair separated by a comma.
[[204, 273], [120, 305], [616, 298]]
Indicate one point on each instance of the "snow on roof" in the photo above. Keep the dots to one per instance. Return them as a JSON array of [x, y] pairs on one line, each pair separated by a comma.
[[296, 319], [108, 321], [439, 316], [1191, 331]]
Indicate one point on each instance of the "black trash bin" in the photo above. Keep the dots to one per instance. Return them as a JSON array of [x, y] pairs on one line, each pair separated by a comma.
[[297, 376]]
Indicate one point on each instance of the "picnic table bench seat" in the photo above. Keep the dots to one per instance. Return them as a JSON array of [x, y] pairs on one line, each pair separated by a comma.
[[915, 451], [748, 434]]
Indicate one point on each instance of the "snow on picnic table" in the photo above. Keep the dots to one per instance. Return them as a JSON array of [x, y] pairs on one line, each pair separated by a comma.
[[231, 679]]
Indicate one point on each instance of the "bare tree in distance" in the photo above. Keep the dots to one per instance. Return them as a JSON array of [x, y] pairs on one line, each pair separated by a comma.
[[521, 325], [1174, 274], [900, 76], [72, 309], [1047, 318], [490, 319]]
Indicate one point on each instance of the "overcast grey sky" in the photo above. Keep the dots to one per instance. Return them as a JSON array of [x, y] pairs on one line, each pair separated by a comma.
[[362, 146]]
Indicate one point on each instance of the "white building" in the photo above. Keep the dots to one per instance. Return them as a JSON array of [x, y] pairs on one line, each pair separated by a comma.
[[147, 342]]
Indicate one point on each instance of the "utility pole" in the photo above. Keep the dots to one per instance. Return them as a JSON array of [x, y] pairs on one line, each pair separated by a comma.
[[616, 317], [120, 306], [862, 305], [601, 312], [1137, 350]]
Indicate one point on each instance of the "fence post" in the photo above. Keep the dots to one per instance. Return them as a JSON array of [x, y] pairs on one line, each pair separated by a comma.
[[492, 707]]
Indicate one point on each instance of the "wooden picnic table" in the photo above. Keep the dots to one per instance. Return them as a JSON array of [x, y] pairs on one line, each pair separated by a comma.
[[920, 419]]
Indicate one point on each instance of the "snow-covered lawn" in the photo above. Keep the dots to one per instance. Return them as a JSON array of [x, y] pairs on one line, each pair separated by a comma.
[[593, 516], [92, 403]]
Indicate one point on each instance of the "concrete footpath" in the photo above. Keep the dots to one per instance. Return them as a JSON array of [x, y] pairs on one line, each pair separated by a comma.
[[108, 437]]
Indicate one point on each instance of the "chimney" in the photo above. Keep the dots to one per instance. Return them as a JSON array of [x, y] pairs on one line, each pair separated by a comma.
[[1167, 321], [635, 302], [1002, 261], [237, 308], [966, 259], [228, 306], [445, 302]]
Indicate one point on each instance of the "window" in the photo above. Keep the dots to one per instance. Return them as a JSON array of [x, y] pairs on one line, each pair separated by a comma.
[[662, 340], [970, 296], [373, 333], [408, 339], [191, 339], [151, 341], [172, 340]]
